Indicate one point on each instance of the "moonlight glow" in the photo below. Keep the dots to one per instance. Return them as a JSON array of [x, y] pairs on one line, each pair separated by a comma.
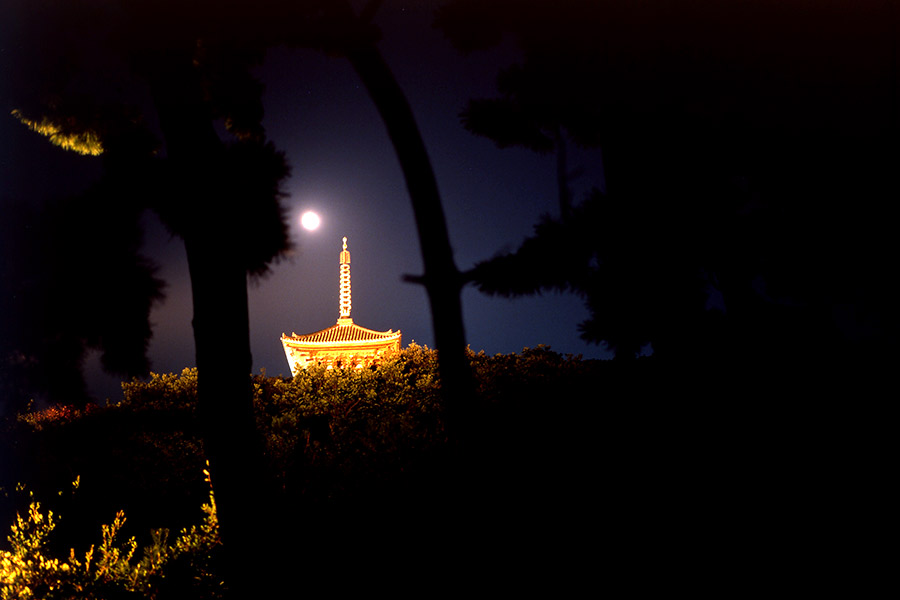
[[310, 221]]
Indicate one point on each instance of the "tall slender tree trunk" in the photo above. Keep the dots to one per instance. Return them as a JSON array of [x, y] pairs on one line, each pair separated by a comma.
[[442, 280], [221, 317]]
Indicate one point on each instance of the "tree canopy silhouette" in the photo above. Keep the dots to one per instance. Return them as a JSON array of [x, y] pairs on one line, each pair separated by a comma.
[[83, 286], [728, 167]]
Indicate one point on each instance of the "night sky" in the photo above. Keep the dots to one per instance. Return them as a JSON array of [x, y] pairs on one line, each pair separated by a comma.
[[345, 169]]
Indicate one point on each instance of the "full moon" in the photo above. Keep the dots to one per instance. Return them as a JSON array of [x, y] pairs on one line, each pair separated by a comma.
[[310, 221]]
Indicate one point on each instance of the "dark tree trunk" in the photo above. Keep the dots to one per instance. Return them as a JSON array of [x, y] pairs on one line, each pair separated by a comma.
[[443, 281], [197, 208], [224, 363]]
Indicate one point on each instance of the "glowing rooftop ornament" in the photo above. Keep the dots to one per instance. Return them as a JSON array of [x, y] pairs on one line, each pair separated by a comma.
[[344, 307], [344, 344]]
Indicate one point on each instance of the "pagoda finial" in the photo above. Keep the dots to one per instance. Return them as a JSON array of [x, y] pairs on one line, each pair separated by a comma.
[[344, 284]]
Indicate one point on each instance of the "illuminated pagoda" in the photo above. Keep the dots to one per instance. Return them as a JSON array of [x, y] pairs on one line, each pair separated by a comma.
[[343, 345]]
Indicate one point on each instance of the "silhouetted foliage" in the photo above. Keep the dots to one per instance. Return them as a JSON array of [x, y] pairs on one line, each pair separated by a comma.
[[730, 179], [79, 283], [623, 259]]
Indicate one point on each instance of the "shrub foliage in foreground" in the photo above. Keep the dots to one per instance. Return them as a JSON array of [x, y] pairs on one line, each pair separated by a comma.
[[110, 569], [326, 431], [329, 434]]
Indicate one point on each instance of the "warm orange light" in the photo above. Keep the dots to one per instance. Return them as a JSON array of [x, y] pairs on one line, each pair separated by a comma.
[[345, 282]]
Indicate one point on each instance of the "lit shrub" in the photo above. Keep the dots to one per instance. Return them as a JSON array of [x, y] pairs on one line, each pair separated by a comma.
[[345, 425], [109, 569], [163, 391], [326, 431], [55, 415]]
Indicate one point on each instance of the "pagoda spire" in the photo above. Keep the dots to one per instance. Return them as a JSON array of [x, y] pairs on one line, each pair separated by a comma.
[[344, 304], [345, 345]]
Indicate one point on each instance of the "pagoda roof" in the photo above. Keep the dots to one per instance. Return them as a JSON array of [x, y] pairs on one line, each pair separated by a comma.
[[344, 331]]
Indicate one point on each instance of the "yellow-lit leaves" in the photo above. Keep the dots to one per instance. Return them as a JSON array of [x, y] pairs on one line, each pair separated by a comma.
[[27, 571], [66, 136]]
